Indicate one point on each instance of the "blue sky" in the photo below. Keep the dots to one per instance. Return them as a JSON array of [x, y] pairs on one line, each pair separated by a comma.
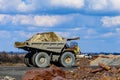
[[96, 22]]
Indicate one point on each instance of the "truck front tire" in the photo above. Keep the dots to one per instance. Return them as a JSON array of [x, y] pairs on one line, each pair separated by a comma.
[[41, 59], [67, 59]]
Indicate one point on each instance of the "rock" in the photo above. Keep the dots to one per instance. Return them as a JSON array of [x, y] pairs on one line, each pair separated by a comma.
[[111, 61], [119, 69], [106, 67], [46, 74], [106, 76], [8, 78], [109, 56], [96, 70], [59, 78], [83, 56], [114, 70]]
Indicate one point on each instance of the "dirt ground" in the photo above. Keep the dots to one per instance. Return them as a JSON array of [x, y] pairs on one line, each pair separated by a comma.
[[83, 71]]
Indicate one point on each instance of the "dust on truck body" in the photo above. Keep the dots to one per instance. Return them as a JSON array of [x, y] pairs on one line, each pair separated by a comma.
[[45, 48]]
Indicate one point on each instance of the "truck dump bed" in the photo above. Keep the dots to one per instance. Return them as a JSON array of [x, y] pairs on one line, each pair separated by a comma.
[[46, 46], [43, 41], [48, 41]]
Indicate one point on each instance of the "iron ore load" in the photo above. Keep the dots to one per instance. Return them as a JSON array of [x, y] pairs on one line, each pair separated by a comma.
[[46, 48]]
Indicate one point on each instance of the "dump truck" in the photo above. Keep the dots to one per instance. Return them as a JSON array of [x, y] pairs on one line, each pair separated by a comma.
[[45, 48]]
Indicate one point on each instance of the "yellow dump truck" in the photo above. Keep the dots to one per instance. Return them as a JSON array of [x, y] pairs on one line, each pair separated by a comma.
[[44, 48]]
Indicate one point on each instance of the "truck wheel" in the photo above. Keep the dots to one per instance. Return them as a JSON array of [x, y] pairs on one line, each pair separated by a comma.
[[27, 60], [67, 59], [41, 59], [33, 59]]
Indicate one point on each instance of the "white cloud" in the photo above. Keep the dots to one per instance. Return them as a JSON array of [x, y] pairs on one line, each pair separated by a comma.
[[48, 20], [33, 20], [118, 30], [111, 21], [87, 33], [5, 19], [68, 3], [22, 19], [7, 5], [40, 5], [14, 35], [90, 31], [64, 34], [115, 4], [76, 29], [31, 28], [22, 34], [109, 34], [17, 5], [108, 5], [118, 33], [25, 7], [4, 34], [97, 4]]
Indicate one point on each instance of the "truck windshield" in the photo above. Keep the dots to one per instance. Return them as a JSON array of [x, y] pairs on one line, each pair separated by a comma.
[[72, 44]]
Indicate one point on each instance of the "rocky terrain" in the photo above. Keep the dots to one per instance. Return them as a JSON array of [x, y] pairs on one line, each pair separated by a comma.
[[86, 69], [83, 71]]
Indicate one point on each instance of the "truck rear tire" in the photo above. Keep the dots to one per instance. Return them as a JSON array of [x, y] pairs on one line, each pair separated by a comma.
[[27, 60], [67, 59], [41, 59], [33, 59]]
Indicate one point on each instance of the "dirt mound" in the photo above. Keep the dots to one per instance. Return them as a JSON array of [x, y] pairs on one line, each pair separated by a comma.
[[111, 60], [82, 72], [46, 37], [52, 73], [109, 56]]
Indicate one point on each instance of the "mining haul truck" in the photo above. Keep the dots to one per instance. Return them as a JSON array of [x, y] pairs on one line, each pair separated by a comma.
[[44, 48]]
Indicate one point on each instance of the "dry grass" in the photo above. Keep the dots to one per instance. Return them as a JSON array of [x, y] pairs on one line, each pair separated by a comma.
[[6, 58]]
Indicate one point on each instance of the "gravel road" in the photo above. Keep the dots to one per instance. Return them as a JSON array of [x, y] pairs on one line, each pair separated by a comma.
[[18, 72]]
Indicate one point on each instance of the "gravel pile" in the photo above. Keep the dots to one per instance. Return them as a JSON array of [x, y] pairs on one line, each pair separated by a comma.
[[7, 78], [46, 37], [110, 60]]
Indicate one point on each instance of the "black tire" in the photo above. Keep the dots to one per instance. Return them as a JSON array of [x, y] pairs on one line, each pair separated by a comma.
[[27, 60], [64, 59], [33, 59], [41, 59]]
